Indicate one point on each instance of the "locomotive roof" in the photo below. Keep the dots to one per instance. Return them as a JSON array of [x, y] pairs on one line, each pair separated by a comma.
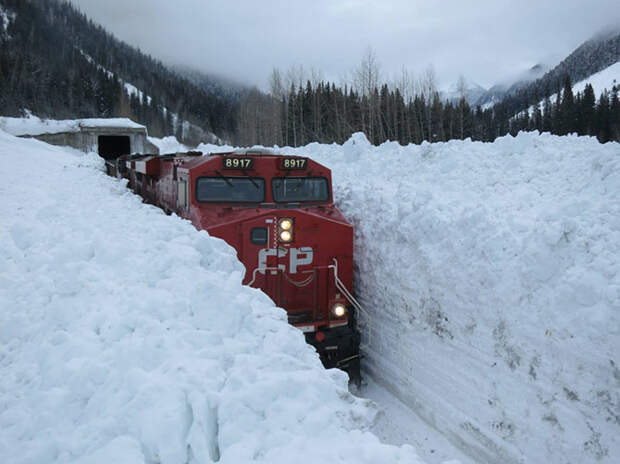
[[192, 159]]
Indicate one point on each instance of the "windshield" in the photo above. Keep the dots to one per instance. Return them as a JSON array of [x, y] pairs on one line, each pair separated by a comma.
[[230, 189], [299, 189]]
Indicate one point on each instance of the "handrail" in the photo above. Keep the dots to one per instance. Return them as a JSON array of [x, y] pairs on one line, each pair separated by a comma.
[[261, 269], [340, 286], [303, 283]]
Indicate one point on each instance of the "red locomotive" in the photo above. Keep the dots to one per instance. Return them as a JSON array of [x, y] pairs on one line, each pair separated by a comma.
[[277, 212]]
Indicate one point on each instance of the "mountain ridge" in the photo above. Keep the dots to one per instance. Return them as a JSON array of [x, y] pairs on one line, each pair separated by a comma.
[[592, 56]]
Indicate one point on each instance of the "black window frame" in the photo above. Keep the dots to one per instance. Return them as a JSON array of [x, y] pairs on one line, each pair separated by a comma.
[[231, 201], [329, 190]]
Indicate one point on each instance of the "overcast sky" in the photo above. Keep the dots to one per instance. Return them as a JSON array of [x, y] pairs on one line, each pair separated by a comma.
[[487, 41]]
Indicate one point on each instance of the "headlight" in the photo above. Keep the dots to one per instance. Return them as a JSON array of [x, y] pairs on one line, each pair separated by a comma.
[[286, 224], [285, 236], [339, 310], [285, 232]]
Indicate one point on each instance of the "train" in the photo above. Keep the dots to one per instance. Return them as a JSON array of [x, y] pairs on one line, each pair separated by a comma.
[[278, 212]]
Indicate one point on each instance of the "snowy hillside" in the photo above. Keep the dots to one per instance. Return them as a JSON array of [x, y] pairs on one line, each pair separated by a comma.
[[492, 275], [127, 337], [605, 79], [602, 80]]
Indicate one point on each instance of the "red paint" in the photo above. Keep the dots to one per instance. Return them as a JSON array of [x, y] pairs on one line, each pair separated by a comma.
[[308, 294]]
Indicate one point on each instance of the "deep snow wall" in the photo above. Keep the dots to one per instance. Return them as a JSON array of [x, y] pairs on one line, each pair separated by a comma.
[[491, 274], [126, 336]]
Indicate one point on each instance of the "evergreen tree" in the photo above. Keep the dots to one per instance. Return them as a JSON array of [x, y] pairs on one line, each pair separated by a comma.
[[567, 120], [589, 111]]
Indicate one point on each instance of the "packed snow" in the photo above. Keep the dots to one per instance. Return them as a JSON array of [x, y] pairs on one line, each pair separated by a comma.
[[492, 275], [491, 272], [33, 125], [127, 337], [168, 144]]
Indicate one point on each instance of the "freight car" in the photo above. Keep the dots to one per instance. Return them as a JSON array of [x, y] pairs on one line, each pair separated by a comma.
[[278, 213]]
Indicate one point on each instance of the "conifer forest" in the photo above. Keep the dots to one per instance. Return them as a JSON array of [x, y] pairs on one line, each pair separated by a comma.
[[55, 62]]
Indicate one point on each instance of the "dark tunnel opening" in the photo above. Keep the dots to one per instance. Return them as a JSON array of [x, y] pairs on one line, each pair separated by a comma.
[[113, 146]]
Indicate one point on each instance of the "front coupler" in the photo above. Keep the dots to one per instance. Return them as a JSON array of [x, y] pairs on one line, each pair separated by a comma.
[[339, 347]]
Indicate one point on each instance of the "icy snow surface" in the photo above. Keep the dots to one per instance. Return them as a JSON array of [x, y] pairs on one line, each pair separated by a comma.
[[127, 337], [491, 272]]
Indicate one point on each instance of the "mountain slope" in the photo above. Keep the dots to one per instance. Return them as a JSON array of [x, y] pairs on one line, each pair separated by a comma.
[[471, 91], [57, 63], [499, 91], [592, 56]]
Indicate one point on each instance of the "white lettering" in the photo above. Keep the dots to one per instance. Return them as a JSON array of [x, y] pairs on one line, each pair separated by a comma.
[[265, 252], [298, 257]]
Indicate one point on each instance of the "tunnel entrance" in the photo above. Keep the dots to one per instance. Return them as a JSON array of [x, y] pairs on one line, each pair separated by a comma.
[[113, 146]]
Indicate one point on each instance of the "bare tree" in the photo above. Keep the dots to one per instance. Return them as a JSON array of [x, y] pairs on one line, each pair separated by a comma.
[[366, 76], [428, 87], [366, 81], [428, 84], [278, 105], [461, 87], [407, 85], [296, 76], [276, 86]]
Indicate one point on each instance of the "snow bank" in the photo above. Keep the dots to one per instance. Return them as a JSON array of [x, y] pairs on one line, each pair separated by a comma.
[[33, 125], [168, 144], [127, 337], [492, 276]]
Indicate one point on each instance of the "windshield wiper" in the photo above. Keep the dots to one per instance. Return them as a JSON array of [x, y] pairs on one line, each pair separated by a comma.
[[251, 180], [230, 184]]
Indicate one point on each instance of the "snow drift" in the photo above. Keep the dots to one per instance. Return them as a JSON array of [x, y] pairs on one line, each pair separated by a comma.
[[491, 272], [127, 337]]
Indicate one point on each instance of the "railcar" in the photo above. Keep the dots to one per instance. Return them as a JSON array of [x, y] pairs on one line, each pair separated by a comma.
[[278, 213]]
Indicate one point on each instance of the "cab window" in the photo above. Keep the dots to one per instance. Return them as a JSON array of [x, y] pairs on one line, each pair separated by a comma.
[[299, 189], [230, 189]]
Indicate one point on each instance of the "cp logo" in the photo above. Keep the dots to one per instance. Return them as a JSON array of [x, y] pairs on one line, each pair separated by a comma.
[[297, 257]]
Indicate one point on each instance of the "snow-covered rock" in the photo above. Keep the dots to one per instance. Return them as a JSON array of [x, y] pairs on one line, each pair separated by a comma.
[[127, 337]]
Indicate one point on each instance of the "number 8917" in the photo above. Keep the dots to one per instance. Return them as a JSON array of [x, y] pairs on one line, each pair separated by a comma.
[[238, 163]]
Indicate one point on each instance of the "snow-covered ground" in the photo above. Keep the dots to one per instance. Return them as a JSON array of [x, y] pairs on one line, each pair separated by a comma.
[[491, 272], [397, 423], [127, 337]]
